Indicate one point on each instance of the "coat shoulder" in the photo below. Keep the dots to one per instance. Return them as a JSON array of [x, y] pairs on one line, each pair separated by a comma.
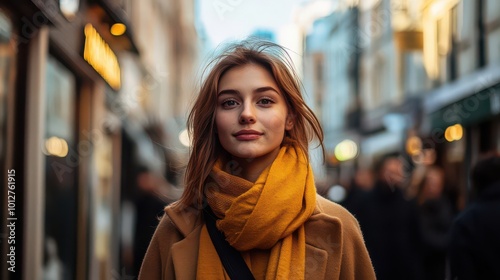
[[184, 218], [166, 226], [335, 230], [335, 210], [158, 255]]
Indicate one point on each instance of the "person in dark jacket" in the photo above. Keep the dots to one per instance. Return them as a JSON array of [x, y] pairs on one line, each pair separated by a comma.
[[390, 224], [475, 237], [436, 217], [360, 186]]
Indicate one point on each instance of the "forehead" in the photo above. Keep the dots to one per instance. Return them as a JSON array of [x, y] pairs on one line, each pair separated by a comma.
[[248, 74]]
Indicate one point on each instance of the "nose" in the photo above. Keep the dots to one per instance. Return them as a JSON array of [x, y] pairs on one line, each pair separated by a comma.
[[247, 115]]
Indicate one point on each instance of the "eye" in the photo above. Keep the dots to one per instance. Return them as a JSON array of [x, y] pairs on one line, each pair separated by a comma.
[[229, 103], [266, 101]]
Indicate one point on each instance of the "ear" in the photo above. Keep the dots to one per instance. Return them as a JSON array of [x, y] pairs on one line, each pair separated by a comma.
[[289, 122]]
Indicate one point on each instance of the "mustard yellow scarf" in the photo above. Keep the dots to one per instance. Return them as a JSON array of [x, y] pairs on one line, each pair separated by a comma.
[[263, 220]]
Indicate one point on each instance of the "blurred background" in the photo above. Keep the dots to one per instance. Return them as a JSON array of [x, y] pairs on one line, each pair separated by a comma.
[[94, 96]]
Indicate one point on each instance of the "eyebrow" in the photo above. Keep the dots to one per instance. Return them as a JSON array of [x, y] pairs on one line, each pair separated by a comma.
[[257, 90]]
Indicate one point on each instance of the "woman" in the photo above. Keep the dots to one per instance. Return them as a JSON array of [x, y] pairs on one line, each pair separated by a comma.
[[249, 164], [436, 218]]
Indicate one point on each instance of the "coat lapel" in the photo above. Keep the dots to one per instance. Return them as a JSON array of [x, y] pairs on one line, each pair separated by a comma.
[[185, 252], [323, 245], [185, 255]]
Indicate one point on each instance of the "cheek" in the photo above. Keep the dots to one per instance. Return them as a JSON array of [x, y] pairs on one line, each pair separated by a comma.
[[220, 122], [218, 125], [224, 124], [276, 121]]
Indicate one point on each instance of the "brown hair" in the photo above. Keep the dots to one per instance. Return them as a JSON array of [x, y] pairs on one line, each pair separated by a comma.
[[206, 148]]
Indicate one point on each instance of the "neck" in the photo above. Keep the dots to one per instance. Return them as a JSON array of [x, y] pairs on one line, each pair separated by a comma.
[[250, 169]]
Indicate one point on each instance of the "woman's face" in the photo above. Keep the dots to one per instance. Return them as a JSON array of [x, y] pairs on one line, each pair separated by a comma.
[[434, 184], [251, 114]]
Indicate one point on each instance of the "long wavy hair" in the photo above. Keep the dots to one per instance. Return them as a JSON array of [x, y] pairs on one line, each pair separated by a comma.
[[205, 145]]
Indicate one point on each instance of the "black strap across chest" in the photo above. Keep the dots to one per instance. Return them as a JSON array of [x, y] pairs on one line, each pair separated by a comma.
[[231, 259]]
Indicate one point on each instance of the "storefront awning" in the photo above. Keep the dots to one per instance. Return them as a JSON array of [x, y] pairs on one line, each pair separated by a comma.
[[470, 110]]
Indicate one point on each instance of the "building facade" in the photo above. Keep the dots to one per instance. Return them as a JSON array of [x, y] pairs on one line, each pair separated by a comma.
[[329, 63], [425, 82], [463, 65], [80, 80]]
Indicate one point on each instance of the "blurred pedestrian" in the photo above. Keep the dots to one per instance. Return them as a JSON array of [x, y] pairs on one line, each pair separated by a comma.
[[361, 184], [250, 201], [149, 205], [390, 224], [154, 188], [435, 216], [475, 236]]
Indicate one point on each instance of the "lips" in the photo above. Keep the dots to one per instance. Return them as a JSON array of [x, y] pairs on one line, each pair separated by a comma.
[[247, 135]]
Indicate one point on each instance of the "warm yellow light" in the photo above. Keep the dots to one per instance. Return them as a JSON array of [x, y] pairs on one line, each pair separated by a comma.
[[438, 8], [184, 138], [459, 132], [100, 56], [443, 40], [55, 146], [430, 48], [413, 146], [447, 134], [454, 133], [346, 150], [118, 29]]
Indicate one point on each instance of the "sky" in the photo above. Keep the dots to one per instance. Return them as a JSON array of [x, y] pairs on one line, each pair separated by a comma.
[[228, 20], [235, 19]]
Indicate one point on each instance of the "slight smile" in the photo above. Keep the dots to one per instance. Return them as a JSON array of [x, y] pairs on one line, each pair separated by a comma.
[[247, 135]]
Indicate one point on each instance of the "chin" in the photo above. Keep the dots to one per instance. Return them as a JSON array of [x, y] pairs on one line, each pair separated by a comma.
[[250, 151], [248, 155]]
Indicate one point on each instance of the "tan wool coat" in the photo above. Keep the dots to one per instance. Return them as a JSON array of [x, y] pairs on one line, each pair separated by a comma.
[[334, 245]]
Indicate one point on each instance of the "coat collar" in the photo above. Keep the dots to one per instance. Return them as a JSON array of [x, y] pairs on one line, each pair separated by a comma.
[[185, 219], [323, 232], [189, 218]]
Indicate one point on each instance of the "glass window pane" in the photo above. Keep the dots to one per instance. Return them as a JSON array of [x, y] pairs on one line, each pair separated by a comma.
[[7, 78], [61, 173]]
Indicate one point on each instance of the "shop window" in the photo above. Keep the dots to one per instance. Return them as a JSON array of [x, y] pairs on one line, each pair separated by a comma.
[[379, 83], [102, 203], [441, 37], [62, 159], [447, 32], [491, 21], [7, 81]]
